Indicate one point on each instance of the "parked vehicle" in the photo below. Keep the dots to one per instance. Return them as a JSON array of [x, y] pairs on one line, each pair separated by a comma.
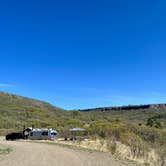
[[42, 134], [14, 136], [33, 134]]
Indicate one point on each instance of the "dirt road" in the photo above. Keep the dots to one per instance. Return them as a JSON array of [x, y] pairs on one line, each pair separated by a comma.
[[41, 154]]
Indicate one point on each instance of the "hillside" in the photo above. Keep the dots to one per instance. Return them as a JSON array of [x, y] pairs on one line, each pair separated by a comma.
[[133, 113], [141, 128], [17, 111]]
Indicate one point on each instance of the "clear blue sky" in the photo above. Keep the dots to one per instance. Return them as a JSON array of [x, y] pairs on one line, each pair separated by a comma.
[[84, 53]]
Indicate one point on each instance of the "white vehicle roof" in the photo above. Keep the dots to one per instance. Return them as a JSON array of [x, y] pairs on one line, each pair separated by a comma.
[[41, 130]]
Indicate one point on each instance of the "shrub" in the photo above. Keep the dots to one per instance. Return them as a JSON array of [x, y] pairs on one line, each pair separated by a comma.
[[111, 146], [152, 122], [102, 129], [74, 123], [137, 145], [162, 156]]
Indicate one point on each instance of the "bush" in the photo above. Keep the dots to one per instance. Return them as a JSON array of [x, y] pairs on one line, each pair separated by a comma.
[[102, 129], [162, 156], [111, 146], [74, 123], [137, 145], [152, 122]]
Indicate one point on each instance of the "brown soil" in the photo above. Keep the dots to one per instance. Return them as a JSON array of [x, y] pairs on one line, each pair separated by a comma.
[[25, 153]]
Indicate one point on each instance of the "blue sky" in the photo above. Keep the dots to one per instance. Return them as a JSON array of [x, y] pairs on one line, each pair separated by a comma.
[[84, 53]]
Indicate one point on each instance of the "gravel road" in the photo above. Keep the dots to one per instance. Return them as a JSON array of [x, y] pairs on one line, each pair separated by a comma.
[[41, 154]]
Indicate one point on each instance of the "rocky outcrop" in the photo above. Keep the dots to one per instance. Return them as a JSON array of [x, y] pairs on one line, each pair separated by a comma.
[[128, 108]]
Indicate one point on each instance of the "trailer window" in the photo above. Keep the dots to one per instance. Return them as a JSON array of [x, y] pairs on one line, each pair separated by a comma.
[[44, 133], [31, 133]]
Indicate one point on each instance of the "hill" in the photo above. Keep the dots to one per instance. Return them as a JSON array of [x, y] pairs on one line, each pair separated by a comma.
[[131, 113], [141, 128], [17, 111]]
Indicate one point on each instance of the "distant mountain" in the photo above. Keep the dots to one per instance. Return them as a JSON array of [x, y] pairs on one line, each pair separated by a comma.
[[128, 108]]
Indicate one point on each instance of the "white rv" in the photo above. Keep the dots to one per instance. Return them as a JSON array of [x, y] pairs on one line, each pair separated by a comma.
[[42, 134]]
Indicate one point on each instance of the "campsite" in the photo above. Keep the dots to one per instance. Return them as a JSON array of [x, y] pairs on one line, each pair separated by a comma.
[[136, 134], [82, 83]]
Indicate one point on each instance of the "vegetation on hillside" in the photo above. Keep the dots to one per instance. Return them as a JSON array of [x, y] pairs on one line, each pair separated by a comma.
[[142, 129], [17, 111]]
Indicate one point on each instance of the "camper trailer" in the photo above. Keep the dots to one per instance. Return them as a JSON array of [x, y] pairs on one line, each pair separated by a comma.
[[40, 134]]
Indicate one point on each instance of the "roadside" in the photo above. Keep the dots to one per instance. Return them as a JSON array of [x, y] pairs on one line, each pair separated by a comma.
[[4, 150], [30, 153]]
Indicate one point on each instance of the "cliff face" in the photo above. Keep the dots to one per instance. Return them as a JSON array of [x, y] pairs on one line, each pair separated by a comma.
[[130, 107], [158, 106]]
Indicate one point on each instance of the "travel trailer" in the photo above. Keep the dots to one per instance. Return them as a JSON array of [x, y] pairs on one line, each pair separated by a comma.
[[40, 134]]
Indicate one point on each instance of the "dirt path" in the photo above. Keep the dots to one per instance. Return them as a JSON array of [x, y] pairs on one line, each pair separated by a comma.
[[40, 154]]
